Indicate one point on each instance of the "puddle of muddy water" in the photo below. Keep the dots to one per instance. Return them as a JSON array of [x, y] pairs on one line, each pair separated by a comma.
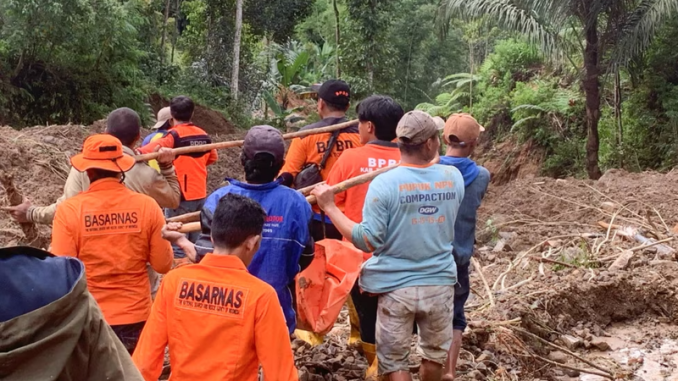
[[631, 349]]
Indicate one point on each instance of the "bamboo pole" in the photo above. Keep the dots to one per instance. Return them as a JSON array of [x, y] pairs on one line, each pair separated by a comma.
[[338, 188], [195, 216], [239, 143]]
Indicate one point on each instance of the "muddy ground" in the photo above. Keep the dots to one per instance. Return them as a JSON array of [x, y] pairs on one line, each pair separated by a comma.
[[550, 308]]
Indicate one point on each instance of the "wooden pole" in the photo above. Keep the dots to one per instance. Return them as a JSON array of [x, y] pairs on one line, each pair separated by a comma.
[[341, 187], [239, 143], [195, 216]]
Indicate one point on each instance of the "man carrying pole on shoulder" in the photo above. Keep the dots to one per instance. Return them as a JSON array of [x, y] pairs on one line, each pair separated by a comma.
[[310, 159], [114, 232], [286, 246], [191, 168]]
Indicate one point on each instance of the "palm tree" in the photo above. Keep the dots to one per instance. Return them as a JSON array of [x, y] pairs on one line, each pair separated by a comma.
[[611, 33]]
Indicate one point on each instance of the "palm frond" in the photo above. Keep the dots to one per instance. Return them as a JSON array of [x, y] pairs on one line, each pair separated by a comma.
[[528, 107], [523, 121], [515, 15], [640, 28]]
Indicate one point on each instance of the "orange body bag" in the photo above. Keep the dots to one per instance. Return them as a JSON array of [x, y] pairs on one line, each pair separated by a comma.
[[323, 287]]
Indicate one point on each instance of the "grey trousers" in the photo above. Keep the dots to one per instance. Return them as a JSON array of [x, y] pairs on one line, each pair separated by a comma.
[[185, 207]]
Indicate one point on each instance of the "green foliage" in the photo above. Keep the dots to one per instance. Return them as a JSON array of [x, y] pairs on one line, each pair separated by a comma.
[[543, 111], [69, 60], [276, 19], [515, 57]]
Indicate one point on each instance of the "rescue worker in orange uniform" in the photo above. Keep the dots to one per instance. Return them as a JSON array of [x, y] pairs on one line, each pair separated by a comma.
[[334, 98], [191, 168], [219, 321], [114, 232]]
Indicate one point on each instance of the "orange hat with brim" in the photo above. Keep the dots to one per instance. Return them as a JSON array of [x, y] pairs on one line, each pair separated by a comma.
[[102, 151]]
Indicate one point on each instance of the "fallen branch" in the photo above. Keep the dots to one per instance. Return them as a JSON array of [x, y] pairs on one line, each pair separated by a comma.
[[487, 324], [596, 249], [565, 350], [195, 216], [548, 260], [641, 247], [633, 233], [521, 256], [573, 368], [482, 277], [239, 143], [338, 188]]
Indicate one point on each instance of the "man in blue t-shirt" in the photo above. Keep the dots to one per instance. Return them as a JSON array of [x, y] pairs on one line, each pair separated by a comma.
[[461, 135], [286, 245], [405, 224]]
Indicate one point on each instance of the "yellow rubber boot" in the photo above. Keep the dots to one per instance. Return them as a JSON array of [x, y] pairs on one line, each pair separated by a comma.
[[309, 337], [370, 352], [354, 320]]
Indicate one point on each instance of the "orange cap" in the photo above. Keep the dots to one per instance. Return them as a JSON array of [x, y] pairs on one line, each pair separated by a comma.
[[102, 151], [464, 127]]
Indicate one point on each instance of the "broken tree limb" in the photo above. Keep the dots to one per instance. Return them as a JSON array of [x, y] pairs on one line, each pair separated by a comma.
[[641, 247], [15, 198], [338, 188], [565, 350], [239, 143], [522, 255], [195, 216], [549, 260], [633, 233], [482, 277], [489, 324], [596, 373]]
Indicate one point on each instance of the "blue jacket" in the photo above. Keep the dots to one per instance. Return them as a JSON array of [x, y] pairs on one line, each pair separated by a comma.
[[477, 179], [285, 236], [31, 279]]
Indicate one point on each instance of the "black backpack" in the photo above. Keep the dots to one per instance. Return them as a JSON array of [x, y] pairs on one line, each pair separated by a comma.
[[310, 173]]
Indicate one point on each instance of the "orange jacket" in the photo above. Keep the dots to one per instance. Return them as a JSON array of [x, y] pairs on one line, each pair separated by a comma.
[[311, 149], [192, 167], [114, 232], [355, 162], [220, 323]]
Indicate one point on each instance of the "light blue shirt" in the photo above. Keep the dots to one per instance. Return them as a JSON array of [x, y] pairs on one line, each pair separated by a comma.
[[407, 221]]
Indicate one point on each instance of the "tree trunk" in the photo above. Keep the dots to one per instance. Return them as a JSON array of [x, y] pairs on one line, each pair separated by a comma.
[[591, 86], [164, 32], [336, 35], [175, 35], [236, 50], [618, 118]]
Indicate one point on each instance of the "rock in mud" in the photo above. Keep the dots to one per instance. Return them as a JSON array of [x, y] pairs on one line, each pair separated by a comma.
[[571, 342], [600, 344], [558, 356]]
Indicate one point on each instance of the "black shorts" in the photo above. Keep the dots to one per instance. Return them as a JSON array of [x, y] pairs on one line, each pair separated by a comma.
[[129, 334]]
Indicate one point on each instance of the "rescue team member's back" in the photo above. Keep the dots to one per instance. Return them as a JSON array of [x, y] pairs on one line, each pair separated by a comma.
[[114, 232], [191, 168], [333, 101], [219, 321], [378, 117]]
